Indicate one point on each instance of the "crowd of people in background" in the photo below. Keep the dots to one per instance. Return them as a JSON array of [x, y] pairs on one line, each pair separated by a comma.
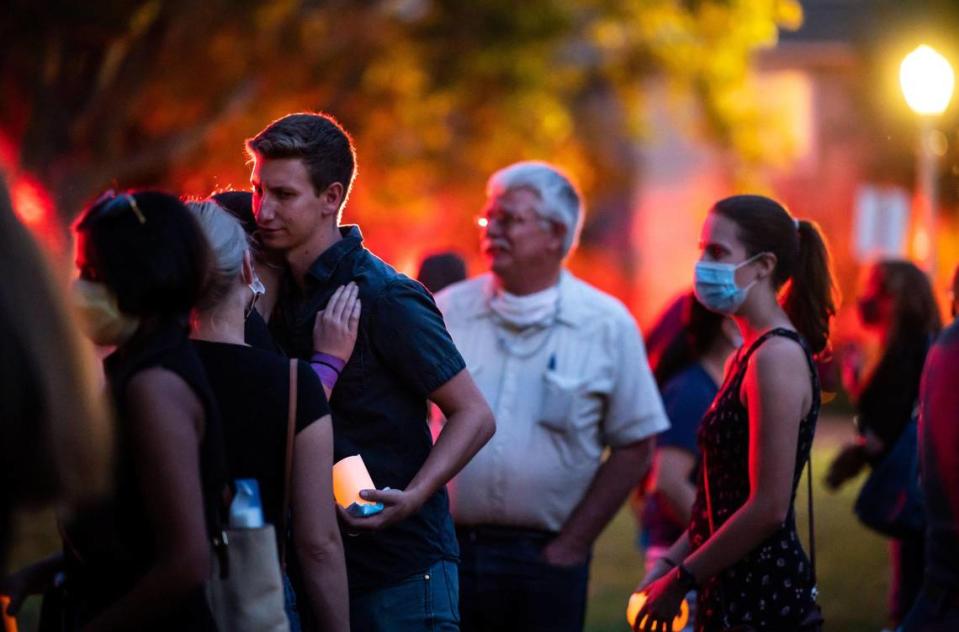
[[253, 336]]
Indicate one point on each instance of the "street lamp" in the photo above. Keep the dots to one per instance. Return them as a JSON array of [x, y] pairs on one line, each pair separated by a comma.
[[927, 82]]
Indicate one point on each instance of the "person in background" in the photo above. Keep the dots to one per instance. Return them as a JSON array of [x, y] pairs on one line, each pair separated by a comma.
[[563, 366], [251, 388], [668, 350], [898, 305], [56, 430], [666, 344], [401, 564], [440, 270], [687, 394], [741, 549], [936, 608], [139, 560]]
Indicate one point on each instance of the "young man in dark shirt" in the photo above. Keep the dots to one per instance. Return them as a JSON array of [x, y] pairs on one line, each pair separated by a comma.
[[401, 562]]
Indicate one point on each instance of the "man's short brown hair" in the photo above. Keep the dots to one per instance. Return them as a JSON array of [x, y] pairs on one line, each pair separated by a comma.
[[317, 139]]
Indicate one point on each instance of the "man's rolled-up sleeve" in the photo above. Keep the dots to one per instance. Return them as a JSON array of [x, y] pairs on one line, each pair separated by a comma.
[[409, 335]]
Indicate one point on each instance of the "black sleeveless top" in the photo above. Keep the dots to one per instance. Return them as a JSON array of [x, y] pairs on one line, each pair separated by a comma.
[[773, 586], [110, 546]]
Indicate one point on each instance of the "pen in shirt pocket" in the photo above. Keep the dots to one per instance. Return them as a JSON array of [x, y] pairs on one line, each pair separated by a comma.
[[552, 362]]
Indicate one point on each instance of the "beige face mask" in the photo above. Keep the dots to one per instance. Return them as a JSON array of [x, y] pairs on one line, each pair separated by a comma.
[[100, 318]]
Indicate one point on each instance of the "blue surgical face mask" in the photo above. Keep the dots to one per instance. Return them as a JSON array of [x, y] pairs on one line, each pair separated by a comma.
[[715, 285]]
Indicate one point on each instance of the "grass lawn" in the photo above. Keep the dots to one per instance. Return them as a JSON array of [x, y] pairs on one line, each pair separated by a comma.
[[852, 562]]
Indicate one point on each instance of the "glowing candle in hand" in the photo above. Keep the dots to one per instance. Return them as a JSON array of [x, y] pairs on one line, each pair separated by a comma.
[[349, 477], [636, 601]]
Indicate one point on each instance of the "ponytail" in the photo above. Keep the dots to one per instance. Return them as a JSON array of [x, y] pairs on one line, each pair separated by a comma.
[[811, 297], [802, 261]]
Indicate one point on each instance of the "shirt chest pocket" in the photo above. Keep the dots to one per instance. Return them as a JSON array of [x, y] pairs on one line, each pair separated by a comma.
[[561, 393], [565, 415]]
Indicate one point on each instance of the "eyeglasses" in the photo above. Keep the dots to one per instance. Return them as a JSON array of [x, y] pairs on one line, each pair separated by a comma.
[[110, 204], [506, 220]]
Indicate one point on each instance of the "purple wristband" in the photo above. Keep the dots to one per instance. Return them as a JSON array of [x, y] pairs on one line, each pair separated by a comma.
[[331, 361], [327, 375], [327, 368]]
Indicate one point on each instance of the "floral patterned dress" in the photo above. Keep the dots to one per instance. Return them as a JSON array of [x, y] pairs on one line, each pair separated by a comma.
[[773, 586]]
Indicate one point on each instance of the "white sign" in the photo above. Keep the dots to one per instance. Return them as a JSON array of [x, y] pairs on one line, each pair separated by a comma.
[[881, 222]]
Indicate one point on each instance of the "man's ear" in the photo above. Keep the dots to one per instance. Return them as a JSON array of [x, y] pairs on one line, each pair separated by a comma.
[[332, 198]]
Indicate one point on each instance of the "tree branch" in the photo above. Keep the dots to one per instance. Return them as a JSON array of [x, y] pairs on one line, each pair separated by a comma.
[[79, 184]]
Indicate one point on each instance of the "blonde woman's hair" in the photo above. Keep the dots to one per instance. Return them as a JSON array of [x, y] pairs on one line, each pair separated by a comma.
[[228, 243]]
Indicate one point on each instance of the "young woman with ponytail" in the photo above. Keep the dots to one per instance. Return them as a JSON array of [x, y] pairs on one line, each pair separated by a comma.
[[771, 273]]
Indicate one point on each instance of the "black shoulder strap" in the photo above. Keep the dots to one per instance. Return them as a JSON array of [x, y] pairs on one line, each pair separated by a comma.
[[288, 461], [758, 342], [812, 519]]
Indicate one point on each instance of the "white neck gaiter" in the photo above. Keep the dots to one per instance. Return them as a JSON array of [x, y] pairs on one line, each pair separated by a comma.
[[521, 312]]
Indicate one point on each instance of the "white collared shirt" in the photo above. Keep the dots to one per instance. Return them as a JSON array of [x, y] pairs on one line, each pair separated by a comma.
[[560, 397]]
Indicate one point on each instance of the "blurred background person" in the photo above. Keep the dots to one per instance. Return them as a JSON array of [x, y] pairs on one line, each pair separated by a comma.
[[251, 387], [55, 427], [667, 333], [440, 270], [563, 366], [742, 547], [898, 306], [936, 608], [139, 560], [691, 372]]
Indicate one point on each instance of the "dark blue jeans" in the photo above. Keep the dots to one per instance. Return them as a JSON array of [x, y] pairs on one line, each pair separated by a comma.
[[934, 610], [290, 605], [506, 585], [907, 560], [426, 602]]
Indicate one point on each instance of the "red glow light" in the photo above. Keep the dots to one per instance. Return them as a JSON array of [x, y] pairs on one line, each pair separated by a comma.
[[31, 202]]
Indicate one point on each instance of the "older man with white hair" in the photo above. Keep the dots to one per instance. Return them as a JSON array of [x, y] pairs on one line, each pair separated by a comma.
[[563, 367]]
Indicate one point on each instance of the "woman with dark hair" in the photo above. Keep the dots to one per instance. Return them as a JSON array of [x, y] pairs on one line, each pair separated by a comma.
[[139, 560], [700, 329], [142, 263], [741, 549], [269, 267], [898, 305]]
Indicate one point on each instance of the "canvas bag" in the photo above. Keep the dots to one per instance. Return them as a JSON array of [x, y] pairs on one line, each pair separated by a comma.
[[245, 591]]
